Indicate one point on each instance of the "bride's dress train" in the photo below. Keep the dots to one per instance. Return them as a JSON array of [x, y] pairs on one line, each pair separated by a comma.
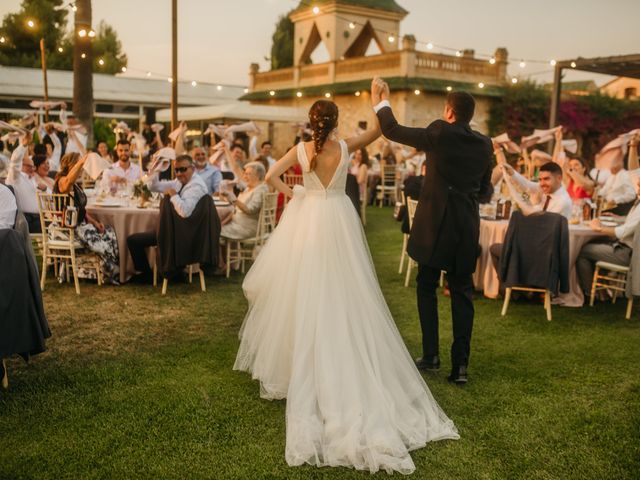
[[319, 333]]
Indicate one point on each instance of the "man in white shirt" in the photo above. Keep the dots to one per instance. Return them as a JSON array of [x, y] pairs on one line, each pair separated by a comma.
[[76, 139], [210, 174], [548, 194], [618, 191], [616, 247], [21, 178], [185, 192], [49, 137], [8, 207], [123, 171]]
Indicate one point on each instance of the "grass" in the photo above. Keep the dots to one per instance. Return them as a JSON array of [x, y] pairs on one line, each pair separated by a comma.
[[135, 385]]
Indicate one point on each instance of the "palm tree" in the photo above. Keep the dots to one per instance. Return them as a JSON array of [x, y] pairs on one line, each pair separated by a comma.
[[83, 67]]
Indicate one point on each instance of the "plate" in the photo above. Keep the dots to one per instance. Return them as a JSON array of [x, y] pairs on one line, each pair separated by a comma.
[[106, 205], [608, 223], [221, 204]]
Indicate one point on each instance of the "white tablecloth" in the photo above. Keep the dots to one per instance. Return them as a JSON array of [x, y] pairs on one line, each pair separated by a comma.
[[486, 280]]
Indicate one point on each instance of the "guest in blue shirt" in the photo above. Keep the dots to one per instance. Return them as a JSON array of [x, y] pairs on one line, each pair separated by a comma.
[[211, 175]]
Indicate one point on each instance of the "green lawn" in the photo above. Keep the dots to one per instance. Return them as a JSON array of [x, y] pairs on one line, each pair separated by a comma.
[[135, 385]]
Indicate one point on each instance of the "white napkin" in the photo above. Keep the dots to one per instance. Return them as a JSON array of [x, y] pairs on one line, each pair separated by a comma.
[[161, 160], [95, 165], [570, 145], [249, 127], [157, 127], [614, 149], [505, 142], [538, 136], [46, 105]]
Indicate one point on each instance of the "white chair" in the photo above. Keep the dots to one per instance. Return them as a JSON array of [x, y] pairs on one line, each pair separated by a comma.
[[388, 188], [615, 281], [411, 211], [239, 251], [58, 241]]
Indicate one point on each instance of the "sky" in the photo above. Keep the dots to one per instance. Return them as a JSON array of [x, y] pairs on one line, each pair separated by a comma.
[[219, 39]]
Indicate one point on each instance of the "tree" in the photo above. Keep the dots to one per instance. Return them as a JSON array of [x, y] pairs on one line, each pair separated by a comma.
[[282, 46], [21, 47]]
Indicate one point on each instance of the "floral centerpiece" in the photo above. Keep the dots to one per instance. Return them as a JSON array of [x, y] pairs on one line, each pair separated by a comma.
[[141, 191]]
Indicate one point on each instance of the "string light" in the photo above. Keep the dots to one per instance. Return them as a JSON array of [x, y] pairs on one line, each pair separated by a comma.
[[92, 33], [101, 62], [514, 80], [272, 92], [73, 7], [194, 83], [573, 64], [60, 49], [357, 94], [219, 87], [148, 74], [492, 61], [2, 39], [170, 80], [31, 23], [82, 33], [315, 10], [352, 25], [458, 53], [449, 88], [299, 94], [124, 69], [416, 92], [552, 63], [246, 90], [481, 85], [391, 39], [327, 95], [429, 46], [522, 64], [84, 55]]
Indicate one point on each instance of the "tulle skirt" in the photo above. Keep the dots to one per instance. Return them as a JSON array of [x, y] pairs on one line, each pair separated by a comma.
[[319, 333]]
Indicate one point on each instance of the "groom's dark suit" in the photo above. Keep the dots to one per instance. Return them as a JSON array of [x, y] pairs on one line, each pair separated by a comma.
[[446, 226]]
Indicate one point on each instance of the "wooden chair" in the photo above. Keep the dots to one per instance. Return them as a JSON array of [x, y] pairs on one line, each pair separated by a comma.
[[388, 188], [239, 251], [615, 281], [363, 205], [547, 298], [191, 269], [411, 211], [405, 240], [58, 241], [291, 180]]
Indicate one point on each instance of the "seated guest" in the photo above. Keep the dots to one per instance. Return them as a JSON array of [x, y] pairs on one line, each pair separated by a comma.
[[43, 180], [94, 236], [576, 179], [123, 171], [8, 207], [615, 247], [360, 168], [21, 177], [243, 223], [548, 195], [103, 151], [264, 161], [212, 176], [184, 192], [618, 191]]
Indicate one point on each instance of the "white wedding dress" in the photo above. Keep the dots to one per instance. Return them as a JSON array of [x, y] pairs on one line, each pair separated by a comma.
[[319, 333]]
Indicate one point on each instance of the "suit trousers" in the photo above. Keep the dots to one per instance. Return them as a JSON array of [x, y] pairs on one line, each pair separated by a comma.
[[462, 312], [608, 251], [137, 244]]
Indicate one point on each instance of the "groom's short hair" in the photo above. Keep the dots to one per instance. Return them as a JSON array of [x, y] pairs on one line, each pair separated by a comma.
[[462, 104]]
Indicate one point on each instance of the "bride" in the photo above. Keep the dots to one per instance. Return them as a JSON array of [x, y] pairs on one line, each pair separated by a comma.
[[318, 331]]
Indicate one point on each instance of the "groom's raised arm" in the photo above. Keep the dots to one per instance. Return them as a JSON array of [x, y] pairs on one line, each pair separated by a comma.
[[391, 129]]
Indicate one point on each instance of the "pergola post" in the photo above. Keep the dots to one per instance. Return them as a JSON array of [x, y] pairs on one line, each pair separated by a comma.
[[555, 96]]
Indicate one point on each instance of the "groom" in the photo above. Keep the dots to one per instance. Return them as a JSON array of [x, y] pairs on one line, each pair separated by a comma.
[[446, 226]]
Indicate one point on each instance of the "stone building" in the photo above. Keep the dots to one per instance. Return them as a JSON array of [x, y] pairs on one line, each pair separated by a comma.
[[419, 80]]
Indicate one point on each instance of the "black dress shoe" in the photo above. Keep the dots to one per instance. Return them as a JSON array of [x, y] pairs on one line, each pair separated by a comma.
[[458, 375], [431, 362]]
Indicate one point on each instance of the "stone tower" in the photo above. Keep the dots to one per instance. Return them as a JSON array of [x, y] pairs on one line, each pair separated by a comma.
[[346, 27]]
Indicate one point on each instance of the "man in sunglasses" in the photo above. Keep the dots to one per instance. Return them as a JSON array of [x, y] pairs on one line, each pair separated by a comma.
[[185, 192]]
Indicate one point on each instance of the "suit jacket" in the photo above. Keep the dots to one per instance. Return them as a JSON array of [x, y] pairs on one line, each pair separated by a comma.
[[446, 226], [536, 252], [183, 241]]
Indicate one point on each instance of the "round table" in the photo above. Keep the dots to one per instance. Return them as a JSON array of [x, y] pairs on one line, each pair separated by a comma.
[[128, 219], [485, 277]]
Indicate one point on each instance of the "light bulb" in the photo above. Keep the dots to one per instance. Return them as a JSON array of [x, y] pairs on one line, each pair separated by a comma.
[[391, 39], [124, 69], [315, 10], [352, 25], [523, 64], [492, 61], [449, 88], [194, 83], [481, 85], [552, 63], [357, 94], [272, 93], [299, 94], [429, 46], [101, 62], [416, 91], [328, 95], [514, 80]]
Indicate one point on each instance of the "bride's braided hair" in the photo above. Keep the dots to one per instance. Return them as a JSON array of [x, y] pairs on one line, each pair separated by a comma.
[[323, 117]]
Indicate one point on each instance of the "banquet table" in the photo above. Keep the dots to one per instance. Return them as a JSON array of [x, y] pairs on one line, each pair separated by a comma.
[[127, 218], [485, 277]]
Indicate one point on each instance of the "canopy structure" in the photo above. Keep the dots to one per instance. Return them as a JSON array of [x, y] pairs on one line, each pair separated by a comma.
[[619, 65], [237, 111]]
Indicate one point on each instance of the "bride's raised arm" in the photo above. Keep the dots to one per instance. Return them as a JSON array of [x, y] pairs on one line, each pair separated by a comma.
[[281, 166], [364, 139]]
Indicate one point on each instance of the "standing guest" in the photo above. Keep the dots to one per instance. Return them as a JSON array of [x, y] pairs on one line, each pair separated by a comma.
[[21, 177], [184, 192], [618, 191], [95, 236], [8, 207], [615, 247], [210, 174], [123, 171], [446, 225], [360, 169], [103, 151], [76, 138], [43, 180], [49, 137]]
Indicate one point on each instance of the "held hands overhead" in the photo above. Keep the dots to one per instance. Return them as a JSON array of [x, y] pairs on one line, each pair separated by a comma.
[[379, 90]]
